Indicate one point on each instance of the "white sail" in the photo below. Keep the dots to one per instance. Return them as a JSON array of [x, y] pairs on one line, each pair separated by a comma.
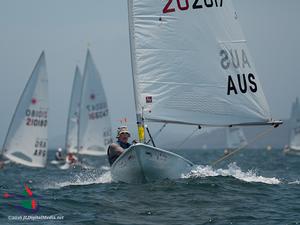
[[73, 116], [295, 124], [27, 138], [235, 137], [94, 133], [191, 64]]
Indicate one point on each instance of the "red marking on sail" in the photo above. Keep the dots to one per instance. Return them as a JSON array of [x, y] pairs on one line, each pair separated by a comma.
[[33, 101]]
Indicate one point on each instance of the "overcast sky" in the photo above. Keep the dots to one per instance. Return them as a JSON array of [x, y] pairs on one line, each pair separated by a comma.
[[65, 28]]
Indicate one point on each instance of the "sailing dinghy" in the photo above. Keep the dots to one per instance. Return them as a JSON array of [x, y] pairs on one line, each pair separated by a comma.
[[94, 131], [191, 65], [71, 141], [294, 144], [89, 126], [73, 116], [27, 137], [235, 138]]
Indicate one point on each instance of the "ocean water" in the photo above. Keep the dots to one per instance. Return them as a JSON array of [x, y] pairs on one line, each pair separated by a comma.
[[253, 187]]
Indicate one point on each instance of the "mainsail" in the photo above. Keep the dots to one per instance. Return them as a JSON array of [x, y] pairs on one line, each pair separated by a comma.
[[94, 133], [235, 137], [191, 64], [27, 138], [295, 126], [73, 116]]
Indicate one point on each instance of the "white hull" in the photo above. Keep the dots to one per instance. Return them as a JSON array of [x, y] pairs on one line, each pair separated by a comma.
[[65, 166], [55, 162], [18, 160], [142, 163], [292, 151]]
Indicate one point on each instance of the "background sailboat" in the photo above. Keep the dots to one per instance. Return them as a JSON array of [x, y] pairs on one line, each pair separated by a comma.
[[27, 138], [191, 65], [71, 140], [235, 138], [73, 116], [294, 143], [94, 133]]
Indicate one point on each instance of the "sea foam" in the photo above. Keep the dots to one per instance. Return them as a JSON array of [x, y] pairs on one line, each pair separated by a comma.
[[80, 179], [233, 171]]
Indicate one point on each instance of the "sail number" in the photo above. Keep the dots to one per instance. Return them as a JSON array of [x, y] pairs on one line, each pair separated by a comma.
[[98, 115], [97, 111], [40, 148], [36, 122], [183, 5], [40, 152], [36, 118], [237, 60], [36, 113], [96, 107]]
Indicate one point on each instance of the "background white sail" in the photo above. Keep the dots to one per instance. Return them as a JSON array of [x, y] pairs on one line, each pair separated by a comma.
[[73, 116], [94, 124], [295, 124], [27, 138], [188, 58], [235, 137]]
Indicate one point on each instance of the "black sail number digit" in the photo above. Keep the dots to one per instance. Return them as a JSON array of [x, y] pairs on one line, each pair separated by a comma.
[[196, 5]]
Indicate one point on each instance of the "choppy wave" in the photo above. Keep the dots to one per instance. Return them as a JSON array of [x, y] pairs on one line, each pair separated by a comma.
[[233, 171], [80, 180]]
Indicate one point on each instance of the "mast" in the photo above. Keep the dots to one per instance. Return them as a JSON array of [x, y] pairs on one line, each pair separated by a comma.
[[138, 108]]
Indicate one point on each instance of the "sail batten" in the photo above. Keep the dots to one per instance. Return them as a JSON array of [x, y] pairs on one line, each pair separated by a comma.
[[27, 137], [94, 132], [193, 66]]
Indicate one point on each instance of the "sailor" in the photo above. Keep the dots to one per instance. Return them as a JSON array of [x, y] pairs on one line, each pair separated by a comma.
[[58, 155], [286, 149], [226, 151], [116, 149], [71, 158]]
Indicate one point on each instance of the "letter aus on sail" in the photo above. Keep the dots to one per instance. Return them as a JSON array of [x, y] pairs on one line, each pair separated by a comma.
[[238, 83]]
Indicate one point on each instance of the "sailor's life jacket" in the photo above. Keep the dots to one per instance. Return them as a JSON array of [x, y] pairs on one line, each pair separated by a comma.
[[115, 150], [59, 156]]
